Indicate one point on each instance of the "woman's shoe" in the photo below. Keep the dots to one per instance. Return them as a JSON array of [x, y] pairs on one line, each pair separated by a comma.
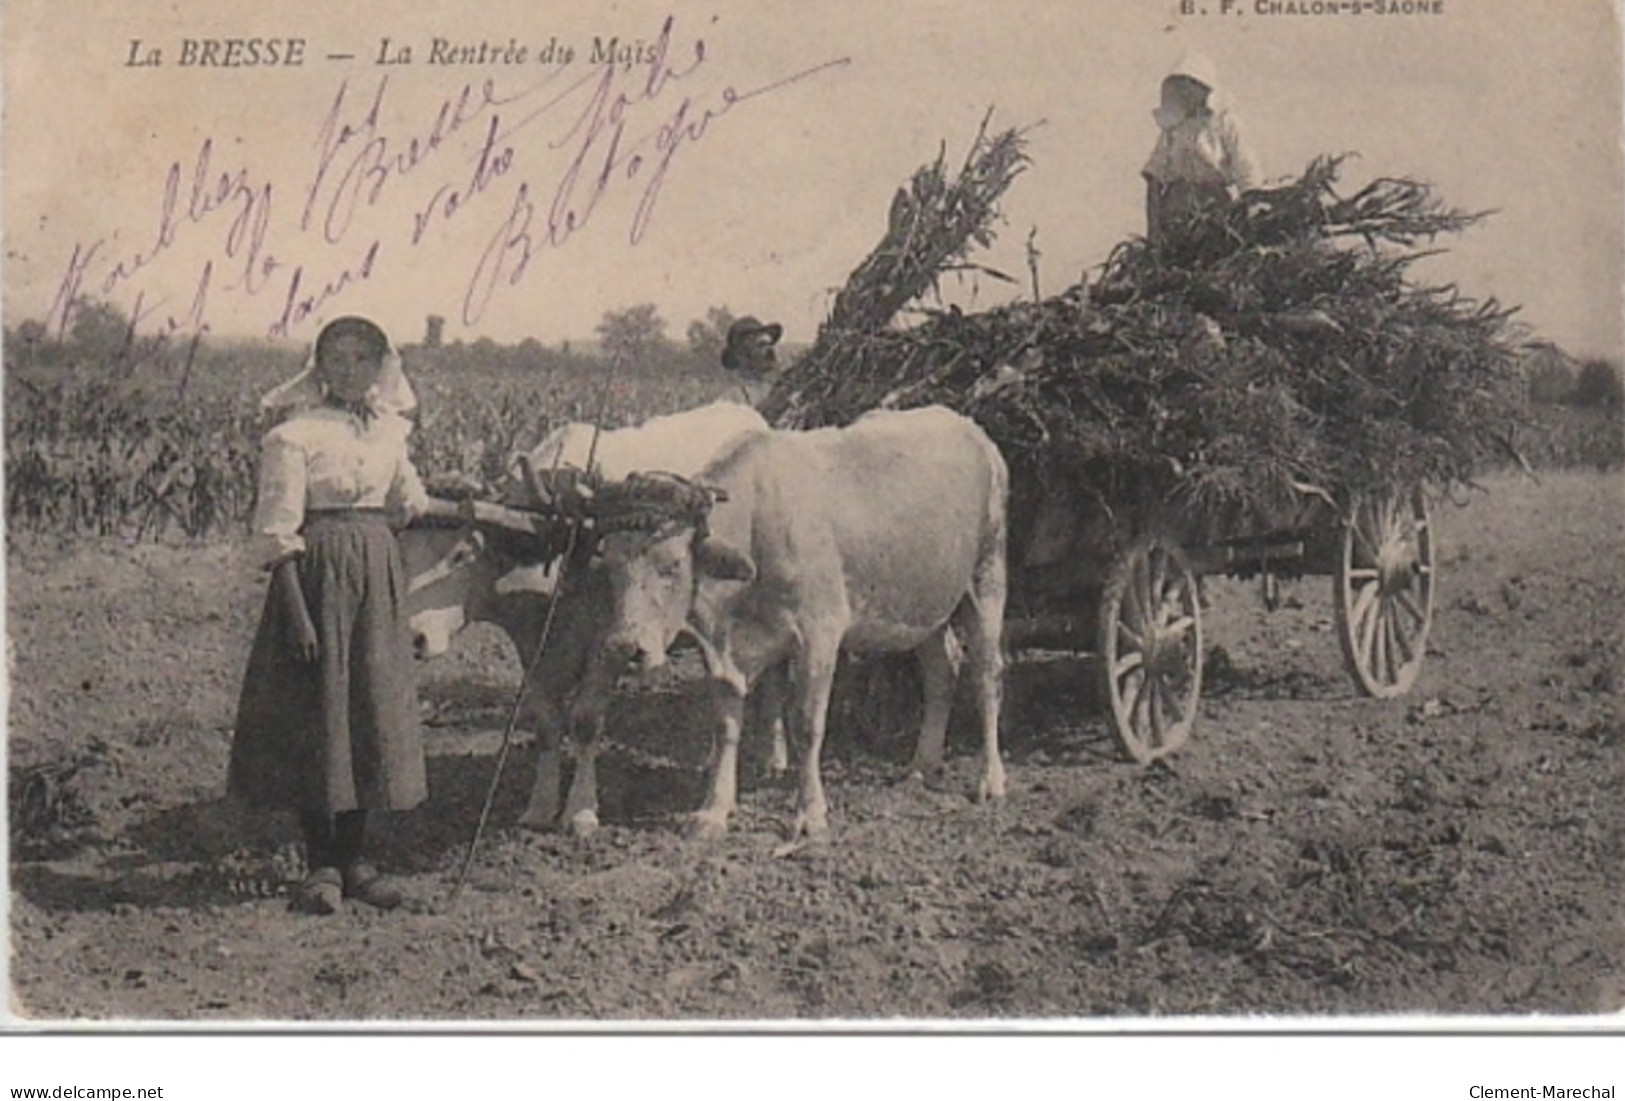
[[366, 884], [322, 892]]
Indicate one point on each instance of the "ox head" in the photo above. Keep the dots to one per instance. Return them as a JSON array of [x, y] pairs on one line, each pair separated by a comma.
[[460, 573], [656, 549], [452, 582]]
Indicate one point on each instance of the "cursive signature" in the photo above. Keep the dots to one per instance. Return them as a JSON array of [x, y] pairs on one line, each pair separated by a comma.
[[358, 159], [210, 195], [528, 164], [607, 150]]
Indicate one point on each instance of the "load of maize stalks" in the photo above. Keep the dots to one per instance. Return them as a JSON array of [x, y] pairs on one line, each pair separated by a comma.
[[1255, 356]]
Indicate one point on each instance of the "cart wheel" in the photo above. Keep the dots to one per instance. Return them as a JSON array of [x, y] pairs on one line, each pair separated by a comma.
[[1151, 648], [1385, 591]]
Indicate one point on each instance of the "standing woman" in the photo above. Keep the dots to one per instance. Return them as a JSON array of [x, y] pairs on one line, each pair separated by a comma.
[[1200, 161], [327, 722]]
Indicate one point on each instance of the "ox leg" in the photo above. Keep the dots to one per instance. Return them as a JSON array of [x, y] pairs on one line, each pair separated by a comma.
[[764, 710], [939, 670], [814, 677], [581, 806], [711, 820], [542, 812], [982, 616], [589, 707], [779, 763]]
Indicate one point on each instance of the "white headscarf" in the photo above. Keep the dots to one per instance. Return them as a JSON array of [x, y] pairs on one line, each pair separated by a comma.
[[391, 393], [1200, 68]]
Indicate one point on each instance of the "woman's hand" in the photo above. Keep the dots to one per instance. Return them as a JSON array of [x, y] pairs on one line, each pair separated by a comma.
[[301, 630]]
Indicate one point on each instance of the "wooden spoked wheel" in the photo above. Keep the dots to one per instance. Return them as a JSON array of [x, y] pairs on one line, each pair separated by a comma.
[[1151, 648], [1384, 594]]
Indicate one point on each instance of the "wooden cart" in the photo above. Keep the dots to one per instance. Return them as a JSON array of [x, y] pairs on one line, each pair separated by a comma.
[[1133, 599]]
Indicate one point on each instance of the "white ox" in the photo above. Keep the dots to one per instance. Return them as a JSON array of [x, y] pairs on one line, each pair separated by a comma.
[[883, 536], [468, 575]]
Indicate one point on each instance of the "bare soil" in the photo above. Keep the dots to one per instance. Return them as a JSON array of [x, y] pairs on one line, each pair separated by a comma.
[[1309, 852]]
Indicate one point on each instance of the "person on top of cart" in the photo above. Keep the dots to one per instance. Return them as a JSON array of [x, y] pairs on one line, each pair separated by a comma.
[[327, 720], [1200, 161]]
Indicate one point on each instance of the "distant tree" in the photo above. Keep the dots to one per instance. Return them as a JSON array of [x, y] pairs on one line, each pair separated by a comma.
[[98, 331], [27, 338], [636, 334], [434, 330], [1599, 385], [485, 352], [31, 331], [1550, 373], [706, 336]]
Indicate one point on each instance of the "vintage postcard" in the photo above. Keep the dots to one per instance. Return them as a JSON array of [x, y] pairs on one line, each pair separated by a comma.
[[1237, 639]]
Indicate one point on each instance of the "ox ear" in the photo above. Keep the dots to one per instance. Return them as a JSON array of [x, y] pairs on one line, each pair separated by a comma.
[[721, 560]]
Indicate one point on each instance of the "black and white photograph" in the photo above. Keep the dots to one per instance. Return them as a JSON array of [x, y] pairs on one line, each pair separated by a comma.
[[1095, 515]]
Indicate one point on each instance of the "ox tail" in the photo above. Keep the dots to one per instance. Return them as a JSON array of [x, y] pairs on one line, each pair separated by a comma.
[[983, 621], [992, 565], [981, 612]]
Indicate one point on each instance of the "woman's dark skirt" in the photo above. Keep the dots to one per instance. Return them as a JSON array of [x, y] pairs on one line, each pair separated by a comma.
[[340, 733]]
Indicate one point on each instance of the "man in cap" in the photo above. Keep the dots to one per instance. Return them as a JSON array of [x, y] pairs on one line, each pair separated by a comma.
[[748, 351]]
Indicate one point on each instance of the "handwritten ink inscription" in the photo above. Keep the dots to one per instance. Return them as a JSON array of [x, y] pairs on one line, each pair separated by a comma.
[[502, 169]]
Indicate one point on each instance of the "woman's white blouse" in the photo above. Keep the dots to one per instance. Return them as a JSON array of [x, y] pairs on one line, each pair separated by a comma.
[[325, 458], [1207, 149]]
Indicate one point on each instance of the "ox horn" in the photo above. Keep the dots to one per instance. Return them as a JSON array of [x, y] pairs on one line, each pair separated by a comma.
[[539, 492], [565, 489]]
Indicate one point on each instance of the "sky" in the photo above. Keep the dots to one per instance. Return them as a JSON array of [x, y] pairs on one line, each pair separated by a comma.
[[743, 154]]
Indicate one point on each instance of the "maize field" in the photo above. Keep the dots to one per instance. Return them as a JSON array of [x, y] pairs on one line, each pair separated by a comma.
[[89, 455]]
